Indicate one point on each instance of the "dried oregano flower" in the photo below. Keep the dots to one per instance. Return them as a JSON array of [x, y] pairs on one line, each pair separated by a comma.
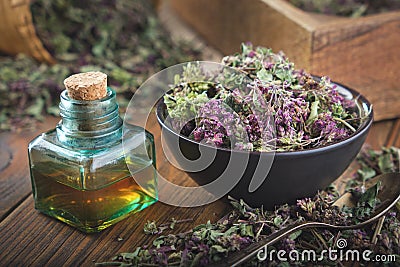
[[211, 242], [307, 112]]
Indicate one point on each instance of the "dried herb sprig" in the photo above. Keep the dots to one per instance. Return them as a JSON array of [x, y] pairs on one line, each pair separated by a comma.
[[307, 112], [211, 242], [151, 228]]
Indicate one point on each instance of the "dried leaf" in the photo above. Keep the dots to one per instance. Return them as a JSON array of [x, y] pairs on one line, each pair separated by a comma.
[[385, 163]]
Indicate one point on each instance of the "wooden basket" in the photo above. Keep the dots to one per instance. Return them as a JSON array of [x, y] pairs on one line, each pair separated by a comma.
[[18, 33]]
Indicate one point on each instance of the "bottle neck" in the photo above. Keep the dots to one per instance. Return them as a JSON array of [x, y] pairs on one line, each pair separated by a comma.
[[89, 124]]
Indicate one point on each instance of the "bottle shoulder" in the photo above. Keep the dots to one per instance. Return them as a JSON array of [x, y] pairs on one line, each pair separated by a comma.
[[132, 138], [48, 145], [46, 138]]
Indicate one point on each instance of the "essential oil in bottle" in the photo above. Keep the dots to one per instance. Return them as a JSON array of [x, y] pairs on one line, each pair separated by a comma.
[[81, 172]]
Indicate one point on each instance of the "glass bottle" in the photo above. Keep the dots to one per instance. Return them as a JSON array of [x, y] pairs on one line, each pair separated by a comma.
[[79, 171]]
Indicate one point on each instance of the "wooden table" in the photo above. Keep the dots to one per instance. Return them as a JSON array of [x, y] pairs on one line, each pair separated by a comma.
[[29, 238]]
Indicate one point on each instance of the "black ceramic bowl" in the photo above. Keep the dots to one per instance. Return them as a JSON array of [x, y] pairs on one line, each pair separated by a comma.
[[293, 175]]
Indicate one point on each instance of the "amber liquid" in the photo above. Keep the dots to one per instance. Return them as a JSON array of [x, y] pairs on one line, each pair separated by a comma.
[[95, 209]]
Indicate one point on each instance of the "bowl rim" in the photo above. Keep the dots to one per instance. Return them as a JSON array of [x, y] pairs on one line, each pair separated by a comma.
[[360, 131]]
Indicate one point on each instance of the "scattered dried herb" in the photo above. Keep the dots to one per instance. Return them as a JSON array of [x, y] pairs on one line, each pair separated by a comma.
[[151, 228], [349, 8], [122, 38], [212, 242], [307, 112]]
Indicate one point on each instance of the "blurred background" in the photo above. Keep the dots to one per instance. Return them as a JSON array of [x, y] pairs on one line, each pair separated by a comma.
[[354, 42]]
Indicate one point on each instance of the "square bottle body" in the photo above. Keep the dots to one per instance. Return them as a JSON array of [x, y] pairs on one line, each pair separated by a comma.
[[94, 188]]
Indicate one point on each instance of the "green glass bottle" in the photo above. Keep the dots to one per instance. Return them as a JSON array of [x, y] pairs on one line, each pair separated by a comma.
[[79, 171]]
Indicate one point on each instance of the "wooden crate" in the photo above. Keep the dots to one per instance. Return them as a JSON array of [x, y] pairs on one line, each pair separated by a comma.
[[362, 53]]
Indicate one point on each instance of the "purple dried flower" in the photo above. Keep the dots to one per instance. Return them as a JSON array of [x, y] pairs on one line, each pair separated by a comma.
[[21, 85], [221, 126], [252, 54], [165, 249], [239, 242], [288, 244], [307, 112], [361, 234]]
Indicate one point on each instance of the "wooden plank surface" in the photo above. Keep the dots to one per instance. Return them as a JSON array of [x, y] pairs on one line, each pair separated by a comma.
[[379, 133], [14, 175], [29, 238]]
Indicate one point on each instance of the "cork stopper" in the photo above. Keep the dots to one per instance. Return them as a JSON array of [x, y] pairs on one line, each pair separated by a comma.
[[86, 86]]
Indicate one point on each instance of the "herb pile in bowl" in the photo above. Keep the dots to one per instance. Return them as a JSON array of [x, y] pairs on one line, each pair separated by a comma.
[[307, 112]]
